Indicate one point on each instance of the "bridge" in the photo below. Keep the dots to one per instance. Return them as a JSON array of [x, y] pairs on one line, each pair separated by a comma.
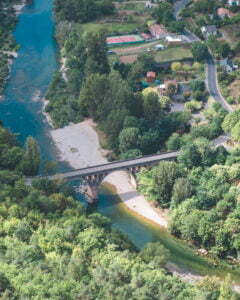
[[93, 176]]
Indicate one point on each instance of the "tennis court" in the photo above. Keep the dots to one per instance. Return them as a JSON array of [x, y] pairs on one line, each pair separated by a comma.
[[124, 39]]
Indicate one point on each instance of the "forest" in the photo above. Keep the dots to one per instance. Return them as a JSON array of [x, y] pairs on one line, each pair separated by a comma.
[[201, 191], [7, 23], [52, 248], [81, 10]]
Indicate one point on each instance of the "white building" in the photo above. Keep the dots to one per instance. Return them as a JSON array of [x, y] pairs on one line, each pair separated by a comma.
[[233, 2]]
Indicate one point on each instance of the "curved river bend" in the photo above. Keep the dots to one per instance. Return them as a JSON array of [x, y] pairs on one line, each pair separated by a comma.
[[21, 111]]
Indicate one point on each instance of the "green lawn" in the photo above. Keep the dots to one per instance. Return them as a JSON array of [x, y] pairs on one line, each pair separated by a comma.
[[173, 54], [133, 6], [231, 33], [110, 27]]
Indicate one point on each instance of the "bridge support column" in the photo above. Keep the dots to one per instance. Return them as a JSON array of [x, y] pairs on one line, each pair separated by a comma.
[[91, 192]]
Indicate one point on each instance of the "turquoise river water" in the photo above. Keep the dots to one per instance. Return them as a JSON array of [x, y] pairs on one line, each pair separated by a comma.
[[21, 111]]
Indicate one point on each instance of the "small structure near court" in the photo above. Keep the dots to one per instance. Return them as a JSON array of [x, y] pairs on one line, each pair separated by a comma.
[[151, 76]]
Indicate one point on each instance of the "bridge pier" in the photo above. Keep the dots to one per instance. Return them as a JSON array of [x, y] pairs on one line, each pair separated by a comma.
[[91, 192]]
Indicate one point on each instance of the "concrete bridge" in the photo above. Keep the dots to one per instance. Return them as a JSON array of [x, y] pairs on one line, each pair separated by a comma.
[[92, 177]]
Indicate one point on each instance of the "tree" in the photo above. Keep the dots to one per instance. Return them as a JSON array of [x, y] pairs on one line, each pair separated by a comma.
[[31, 159], [181, 191], [164, 102], [224, 49], [131, 154], [90, 105], [189, 156], [199, 51], [174, 142], [171, 90], [197, 85], [128, 139], [176, 66], [155, 254], [235, 132], [230, 120], [96, 49], [151, 107], [158, 182], [4, 284]]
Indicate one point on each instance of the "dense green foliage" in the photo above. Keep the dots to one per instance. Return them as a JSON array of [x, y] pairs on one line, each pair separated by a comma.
[[111, 97], [231, 124], [52, 249], [199, 51], [82, 10], [202, 193], [164, 15], [7, 24], [12, 157]]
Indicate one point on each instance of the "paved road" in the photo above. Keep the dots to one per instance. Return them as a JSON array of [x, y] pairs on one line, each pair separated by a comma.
[[114, 166], [178, 6], [211, 72], [212, 84]]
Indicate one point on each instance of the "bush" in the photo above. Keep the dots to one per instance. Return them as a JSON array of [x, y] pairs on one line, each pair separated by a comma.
[[193, 105]]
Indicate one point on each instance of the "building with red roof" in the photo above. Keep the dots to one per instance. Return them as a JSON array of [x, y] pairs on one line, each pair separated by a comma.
[[224, 13], [151, 76], [158, 31]]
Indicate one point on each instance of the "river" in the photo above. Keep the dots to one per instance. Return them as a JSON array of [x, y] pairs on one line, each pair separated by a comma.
[[21, 111]]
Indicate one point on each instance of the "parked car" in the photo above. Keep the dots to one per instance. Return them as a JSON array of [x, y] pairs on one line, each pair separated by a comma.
[[159, 47]]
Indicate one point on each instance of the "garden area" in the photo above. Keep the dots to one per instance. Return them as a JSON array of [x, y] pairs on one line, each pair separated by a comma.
[[174, 54]]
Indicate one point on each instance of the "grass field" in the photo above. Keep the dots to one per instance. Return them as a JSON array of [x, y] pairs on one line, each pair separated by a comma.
[[173, 54], [109, 27], [133, 6], [231, 33]]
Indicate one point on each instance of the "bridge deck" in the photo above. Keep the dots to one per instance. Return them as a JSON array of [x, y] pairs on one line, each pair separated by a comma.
[[114, 166]]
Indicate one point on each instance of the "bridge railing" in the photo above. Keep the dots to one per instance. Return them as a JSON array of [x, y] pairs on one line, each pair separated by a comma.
[[126, 160]]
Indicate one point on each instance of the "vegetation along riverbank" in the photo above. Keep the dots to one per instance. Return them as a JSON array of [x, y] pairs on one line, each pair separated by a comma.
[[120, 76], [144, 107], [8, 47]]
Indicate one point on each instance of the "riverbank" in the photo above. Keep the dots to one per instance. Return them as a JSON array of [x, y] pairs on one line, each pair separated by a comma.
[[18, 7], [11, 55], [78, 144]]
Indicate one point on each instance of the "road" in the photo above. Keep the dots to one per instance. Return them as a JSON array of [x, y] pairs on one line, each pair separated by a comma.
[[211, 71], [115, 166], [212, 84], [178, 6]]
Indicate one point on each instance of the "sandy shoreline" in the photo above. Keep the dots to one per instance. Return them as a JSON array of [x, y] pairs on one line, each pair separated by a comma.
[[78, 144]]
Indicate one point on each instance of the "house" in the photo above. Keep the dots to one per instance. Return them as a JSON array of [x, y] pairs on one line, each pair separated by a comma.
[[158, 31], [233, 2], [209, 30], [173, 40], [228, 65], [151, 76], [224, 13], [163, 89], [148, 4]]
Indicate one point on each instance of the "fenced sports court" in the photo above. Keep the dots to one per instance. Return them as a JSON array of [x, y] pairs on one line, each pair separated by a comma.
[[124, 40]]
